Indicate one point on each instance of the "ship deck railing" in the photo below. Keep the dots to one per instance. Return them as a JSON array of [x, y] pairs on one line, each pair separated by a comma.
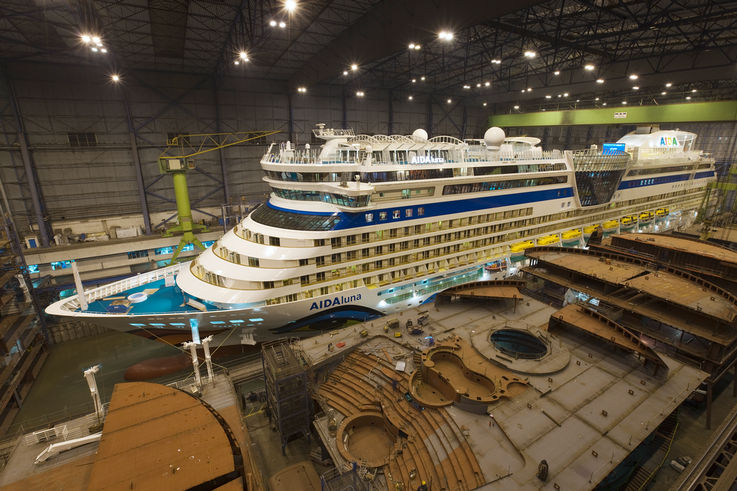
[[311, 157], [124, 285]]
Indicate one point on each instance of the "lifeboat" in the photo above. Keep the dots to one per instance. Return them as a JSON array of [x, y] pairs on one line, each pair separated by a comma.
[[628, 223], [610, 227], [548, 240], [517, 251], [588, 230], [646, 217], [571, 238], [661, 215]]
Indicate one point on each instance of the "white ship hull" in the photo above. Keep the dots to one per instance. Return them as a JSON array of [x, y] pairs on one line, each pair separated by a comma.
[[262, 281]]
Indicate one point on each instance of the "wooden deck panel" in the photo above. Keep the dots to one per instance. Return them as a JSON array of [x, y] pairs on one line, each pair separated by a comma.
[[436, 449], [577, 316], [156, 437]]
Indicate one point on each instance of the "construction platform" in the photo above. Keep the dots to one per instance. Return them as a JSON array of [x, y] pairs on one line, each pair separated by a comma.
[[512, 390], [154, 437], [609, 398]]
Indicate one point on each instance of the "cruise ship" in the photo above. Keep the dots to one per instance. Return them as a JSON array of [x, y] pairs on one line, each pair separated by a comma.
[[368, 225]]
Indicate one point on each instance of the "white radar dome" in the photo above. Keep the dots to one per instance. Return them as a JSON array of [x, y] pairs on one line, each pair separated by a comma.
[[420, 134], [494, 137]]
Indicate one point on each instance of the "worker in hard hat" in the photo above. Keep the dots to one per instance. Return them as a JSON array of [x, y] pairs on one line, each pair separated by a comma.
[[423, 486]]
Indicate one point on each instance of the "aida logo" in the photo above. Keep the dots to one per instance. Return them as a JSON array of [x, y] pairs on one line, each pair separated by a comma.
[[332, 302], [668, 141]]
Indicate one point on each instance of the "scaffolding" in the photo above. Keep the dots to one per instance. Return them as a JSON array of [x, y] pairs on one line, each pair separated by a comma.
[[287, 382]]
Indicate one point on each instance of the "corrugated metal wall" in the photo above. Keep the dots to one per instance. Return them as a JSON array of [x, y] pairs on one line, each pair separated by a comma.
[[100, 180]]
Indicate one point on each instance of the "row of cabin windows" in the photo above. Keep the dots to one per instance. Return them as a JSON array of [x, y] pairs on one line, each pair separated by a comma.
[[337, 258], [474, 244], [368, 237], [413, 174], [336, 199], [662, 170]]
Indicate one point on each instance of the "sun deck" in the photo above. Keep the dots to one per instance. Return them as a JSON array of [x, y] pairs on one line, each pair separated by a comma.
[[147, 299]]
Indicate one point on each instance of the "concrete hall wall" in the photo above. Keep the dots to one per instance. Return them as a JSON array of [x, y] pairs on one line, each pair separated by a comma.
[[98, 181]]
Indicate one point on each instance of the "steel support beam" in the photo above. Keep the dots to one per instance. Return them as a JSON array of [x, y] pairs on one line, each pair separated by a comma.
[[39, 207], [221, 155], [371, 37], [670, 113], [428, 121], [137, 165], [290, 127], [390, 108], [345, 110]]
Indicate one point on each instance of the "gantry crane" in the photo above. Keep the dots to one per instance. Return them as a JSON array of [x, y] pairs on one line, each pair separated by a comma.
[[178, 158]]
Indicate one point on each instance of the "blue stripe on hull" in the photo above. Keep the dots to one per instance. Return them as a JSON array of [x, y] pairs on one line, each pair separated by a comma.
[[652, 181], [440, 209], [330, 319]]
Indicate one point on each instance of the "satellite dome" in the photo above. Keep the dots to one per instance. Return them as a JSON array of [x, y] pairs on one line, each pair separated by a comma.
[[494, 137], [420, 134]]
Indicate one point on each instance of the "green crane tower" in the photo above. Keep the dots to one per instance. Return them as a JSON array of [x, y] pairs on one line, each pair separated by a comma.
[[178, 159]]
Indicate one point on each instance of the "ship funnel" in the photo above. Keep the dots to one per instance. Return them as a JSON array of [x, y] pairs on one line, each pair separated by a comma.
[[419, 134], [494, 137]]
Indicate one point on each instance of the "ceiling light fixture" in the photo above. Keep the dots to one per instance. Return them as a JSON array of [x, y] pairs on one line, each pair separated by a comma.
[[354, 67], [663, 93], [484, 104], [243, 55], [624, 103], [688, 97], [599, 80], [596, 98], [360, 93], [445, 35], [466, 86], [86, 39], [302, 90], [290, 5], [556, 73], [548, 96], [272, 23], [635, 87], [414, 80], [529, 89], [530, 54], [589, 67], [115, 77], [603, 103], [516, 107], [236, 62], [478, 85], [634, 76], [565, 94], [669, 85], [449, 101], [282, 24], [345, 72], [409, 98], [487, 83], [422, 78], [496, 61], [693, 91]]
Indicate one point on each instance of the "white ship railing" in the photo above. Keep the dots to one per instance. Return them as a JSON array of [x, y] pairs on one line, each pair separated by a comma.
[[124, 285], [312, 157]]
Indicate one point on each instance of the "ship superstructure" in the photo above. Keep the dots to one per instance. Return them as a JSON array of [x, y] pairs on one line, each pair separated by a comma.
[[367, 225]]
